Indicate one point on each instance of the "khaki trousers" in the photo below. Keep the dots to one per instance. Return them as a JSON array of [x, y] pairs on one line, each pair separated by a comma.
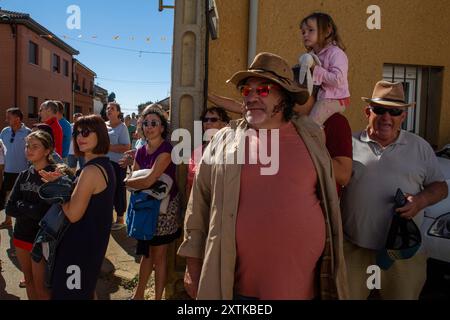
[[323, 109], [404, 280]]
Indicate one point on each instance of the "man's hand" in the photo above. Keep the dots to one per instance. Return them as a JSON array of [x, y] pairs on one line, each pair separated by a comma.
[[192, 276], [431, 194], [413, 206], [190, 285]]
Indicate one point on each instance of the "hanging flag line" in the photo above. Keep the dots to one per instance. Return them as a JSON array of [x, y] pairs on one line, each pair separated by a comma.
[[134, 81], [118, 48]]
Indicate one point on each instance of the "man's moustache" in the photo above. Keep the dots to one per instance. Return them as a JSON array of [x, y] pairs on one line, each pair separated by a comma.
[[276, 109]]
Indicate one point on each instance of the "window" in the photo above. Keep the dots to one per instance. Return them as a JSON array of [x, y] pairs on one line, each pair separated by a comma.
[[77, 83], [77, 109], [67, 110], [91, 90], [422, 85], [32, 107], [66, 67], [56, 63], [33, 53], [84, 86]]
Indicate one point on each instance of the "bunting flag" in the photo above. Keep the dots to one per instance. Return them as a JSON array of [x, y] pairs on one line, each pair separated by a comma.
[[115, 37]]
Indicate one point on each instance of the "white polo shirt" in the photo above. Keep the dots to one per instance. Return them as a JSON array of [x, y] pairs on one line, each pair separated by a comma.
[[409, 163]]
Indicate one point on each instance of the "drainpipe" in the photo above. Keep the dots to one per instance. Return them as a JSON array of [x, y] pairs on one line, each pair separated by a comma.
[[74, 63], [252, 30], [16, 65]]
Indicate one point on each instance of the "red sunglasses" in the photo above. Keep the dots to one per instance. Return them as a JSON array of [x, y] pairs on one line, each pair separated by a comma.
[[262, 90]]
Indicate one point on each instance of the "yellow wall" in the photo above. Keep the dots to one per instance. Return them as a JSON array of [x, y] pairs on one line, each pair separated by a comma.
[[412, 32]]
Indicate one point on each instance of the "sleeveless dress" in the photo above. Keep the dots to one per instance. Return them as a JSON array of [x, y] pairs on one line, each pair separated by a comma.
[[83, 247]]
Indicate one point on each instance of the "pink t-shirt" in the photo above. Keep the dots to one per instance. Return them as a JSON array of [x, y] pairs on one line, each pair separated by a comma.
[[280, 228]]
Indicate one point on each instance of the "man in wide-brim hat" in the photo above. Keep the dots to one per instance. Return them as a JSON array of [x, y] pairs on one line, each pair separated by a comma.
[[386, 158], [274, 236]]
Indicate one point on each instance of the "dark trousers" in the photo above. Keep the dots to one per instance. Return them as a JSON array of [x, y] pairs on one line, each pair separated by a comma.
[[9, 179], [120, 197]]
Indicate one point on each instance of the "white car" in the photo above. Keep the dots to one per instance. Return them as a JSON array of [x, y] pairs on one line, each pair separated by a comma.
[[436, 223], [436, 239], [436, 229]]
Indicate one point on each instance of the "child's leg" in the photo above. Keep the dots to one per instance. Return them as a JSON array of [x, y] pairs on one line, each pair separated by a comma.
[[39, 270], [323, 109]]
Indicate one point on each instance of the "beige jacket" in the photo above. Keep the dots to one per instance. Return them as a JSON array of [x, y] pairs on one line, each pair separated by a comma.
[[209, 231]]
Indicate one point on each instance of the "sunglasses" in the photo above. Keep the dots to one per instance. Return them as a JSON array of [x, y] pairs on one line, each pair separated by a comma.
[[153, 123], [213, 120], [392, 111], [13, 135], [84, 133], [262, 91]]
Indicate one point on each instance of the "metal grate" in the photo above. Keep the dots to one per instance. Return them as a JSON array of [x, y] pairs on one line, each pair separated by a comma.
[[422, 85]]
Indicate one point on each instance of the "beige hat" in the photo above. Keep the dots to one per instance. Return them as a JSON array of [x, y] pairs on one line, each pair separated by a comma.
[[388, 94], [274, 68]]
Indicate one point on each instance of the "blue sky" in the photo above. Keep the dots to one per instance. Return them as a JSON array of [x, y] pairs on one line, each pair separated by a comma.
[[134, 77]]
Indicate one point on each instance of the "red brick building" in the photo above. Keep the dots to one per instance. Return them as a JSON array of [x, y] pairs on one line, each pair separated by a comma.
[[83, 88], [35, 65]]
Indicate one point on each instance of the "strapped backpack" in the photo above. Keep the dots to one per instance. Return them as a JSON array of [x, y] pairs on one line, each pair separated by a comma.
[[142, 216]]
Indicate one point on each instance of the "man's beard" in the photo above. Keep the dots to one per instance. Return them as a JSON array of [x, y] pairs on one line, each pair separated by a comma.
[[255, 118]]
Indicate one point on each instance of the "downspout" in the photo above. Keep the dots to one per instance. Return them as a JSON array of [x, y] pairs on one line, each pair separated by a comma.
[[205, 81], [74, 62], [16, 60], [252, 30], [16, 66]]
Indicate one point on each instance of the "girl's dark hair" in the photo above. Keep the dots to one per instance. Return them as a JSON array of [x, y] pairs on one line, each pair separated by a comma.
[[324, 22], [44, 127], [96, 124], [46, 140], [223, 115], [156, 109]]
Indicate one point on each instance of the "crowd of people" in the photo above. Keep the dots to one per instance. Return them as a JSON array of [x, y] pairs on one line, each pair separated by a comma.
[[309, 231]]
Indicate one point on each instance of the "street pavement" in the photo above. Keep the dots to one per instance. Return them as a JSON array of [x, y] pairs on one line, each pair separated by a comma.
[[117, 280]]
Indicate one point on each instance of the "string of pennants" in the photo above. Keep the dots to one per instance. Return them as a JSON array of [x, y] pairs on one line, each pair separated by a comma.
[[80, 38]]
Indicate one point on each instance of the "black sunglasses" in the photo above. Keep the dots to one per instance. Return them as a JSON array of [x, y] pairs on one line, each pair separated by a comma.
[[13, 135], [381, 110], [213, 120], [84, 133], [153, 123]]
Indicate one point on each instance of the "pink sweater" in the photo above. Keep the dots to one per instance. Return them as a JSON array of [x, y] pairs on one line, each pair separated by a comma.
[[332, 75]]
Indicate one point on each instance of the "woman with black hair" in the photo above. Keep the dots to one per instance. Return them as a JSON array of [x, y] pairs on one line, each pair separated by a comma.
[[156, 155], [213, 119], [79, 256]]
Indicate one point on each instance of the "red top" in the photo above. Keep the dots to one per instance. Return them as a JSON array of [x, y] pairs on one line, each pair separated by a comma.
[[339, 138], [57, 134], [280, 227]]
